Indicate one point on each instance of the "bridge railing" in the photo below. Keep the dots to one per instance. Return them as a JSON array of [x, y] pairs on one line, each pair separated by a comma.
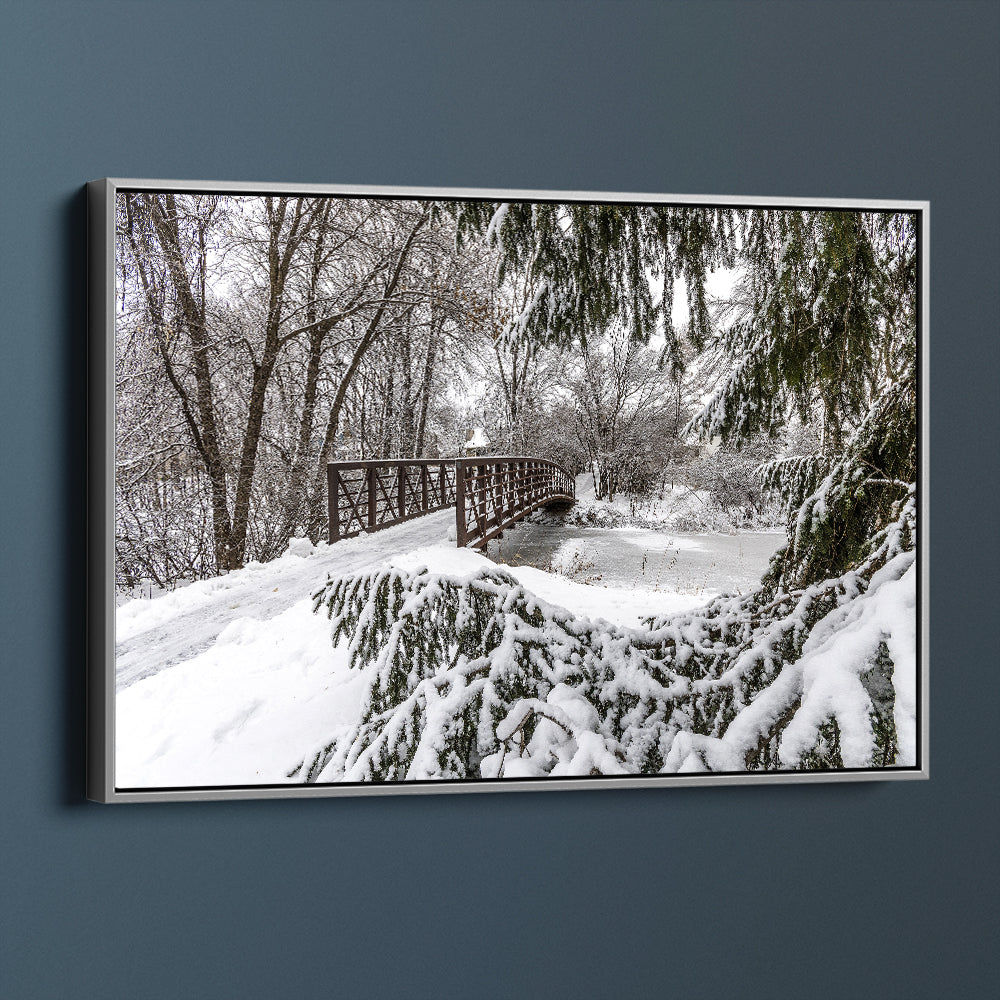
[[370, 495], [489, 493], [492, 493]]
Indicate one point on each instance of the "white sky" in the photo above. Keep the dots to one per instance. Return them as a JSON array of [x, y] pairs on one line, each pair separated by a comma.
[[718, 284]]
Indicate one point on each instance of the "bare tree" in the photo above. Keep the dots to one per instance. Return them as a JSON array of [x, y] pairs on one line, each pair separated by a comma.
[[626, 412]]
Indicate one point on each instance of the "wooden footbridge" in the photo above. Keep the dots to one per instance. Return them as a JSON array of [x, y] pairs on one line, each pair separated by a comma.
[[489, 493]]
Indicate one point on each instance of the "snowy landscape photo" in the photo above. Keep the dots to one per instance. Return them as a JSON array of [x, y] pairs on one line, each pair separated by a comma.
[[486, 491]]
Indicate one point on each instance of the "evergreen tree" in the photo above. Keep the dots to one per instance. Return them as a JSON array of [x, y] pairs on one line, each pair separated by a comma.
[[593, 266], [825, 326], [479, 678]]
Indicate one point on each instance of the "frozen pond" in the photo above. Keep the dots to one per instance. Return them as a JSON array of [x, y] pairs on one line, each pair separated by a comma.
[[641, 559]]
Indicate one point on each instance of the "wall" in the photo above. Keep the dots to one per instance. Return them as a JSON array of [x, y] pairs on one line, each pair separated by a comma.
[[883, 890]]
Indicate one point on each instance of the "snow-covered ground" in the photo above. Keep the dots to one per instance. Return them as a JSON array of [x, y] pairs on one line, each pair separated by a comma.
[[176, 626], [229, 681]]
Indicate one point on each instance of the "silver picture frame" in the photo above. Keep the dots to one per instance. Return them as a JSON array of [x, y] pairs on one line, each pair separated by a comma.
[[101, 598]]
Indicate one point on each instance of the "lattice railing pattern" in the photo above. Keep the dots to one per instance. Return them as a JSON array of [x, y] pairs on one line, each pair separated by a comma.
[[367, 496], [493, 493], [489, 493]]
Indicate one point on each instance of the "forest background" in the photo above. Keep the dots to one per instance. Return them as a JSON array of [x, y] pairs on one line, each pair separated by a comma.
[[259, 338]]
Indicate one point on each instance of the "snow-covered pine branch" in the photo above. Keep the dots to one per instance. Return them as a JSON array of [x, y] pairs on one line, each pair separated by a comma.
[[833, 525], [477, 678]]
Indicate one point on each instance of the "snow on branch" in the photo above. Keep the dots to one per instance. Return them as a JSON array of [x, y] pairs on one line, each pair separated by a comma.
[[475, 677]]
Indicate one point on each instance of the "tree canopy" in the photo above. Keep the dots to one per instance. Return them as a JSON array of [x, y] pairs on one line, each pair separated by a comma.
[[821, 326], [277, 333]]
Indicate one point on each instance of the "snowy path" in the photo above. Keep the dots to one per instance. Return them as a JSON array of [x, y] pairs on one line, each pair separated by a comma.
[[234, 681], [153, 635]]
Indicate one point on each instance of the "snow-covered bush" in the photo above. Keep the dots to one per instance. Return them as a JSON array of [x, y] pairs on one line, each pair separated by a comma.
[[680, 509], [476, 678], [597, 514], [730, 476]]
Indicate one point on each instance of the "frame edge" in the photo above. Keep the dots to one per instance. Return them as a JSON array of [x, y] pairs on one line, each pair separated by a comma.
[[100, 492], [923, 481], [100, 495]]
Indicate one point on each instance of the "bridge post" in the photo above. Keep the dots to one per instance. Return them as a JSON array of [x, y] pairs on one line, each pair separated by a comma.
[[499, 471], [424, 487], [333, 501], [461, 535], [401, 490], [481, 498], [370, 475]]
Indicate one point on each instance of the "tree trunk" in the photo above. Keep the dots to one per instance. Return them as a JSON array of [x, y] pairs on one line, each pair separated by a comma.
[[279, 262], [204, 430], [425, 384], [295, 501]]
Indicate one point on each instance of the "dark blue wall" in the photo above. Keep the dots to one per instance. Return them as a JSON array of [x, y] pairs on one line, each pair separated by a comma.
[[883, 890]]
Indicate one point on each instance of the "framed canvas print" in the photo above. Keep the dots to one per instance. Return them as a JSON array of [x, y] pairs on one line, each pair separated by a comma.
[[398, 490]]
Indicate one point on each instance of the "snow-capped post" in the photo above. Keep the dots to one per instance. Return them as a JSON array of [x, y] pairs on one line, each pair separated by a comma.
[[476, 442]]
